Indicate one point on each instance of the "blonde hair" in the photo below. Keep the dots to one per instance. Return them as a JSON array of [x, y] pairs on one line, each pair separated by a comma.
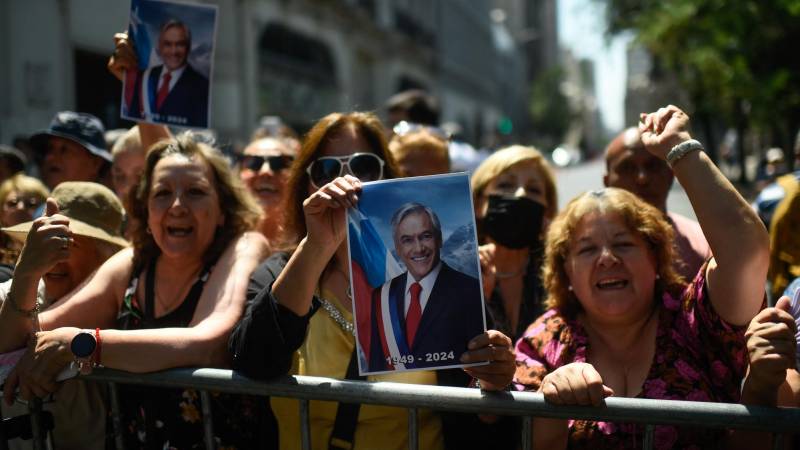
[[9, 250], [639, 216], [24, 185], [129, 141], [505, 158], [419, 141]]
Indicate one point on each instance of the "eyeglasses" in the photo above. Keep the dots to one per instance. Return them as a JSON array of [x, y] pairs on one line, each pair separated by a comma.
[[276, 163], [403, 128], [30, 203], [364, 166]]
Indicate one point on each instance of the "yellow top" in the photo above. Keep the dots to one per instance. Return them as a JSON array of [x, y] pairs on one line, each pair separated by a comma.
[[326, 352]]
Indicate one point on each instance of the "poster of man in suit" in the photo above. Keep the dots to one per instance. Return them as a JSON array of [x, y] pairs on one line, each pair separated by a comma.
[[174, 45], [415, 273]]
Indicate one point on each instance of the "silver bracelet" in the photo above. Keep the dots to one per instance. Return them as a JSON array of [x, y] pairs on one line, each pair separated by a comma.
[[682, 149]]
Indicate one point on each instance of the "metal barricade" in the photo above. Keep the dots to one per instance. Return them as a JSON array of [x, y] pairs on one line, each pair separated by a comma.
[[415, 397]]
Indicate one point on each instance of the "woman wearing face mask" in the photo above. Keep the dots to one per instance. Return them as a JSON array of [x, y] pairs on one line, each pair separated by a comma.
[[514, 194], [300, 299]]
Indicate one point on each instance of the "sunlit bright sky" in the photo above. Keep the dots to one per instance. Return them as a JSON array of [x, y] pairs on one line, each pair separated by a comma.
[[581, 28]]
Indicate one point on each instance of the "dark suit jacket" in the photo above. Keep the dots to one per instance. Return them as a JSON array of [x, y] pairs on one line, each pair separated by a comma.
[[186, 104], [452, 317]]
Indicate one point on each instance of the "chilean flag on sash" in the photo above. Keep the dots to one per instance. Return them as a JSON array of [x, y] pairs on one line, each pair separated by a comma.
[[372, 265]]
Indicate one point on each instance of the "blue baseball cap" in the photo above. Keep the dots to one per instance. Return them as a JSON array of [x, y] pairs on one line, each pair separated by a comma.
[[81, 128]]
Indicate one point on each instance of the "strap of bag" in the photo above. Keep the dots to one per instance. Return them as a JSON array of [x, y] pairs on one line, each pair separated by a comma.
[[344, 427]]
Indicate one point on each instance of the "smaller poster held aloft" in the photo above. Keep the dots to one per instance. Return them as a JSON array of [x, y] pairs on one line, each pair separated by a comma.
[[415, 277], [174, 44]]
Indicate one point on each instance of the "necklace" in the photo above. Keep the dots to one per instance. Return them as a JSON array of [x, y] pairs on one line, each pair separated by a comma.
[[333, 311], [337, 316]]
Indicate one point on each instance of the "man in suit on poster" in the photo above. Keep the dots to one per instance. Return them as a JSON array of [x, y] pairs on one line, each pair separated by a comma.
[[174, 92], [429, 312]]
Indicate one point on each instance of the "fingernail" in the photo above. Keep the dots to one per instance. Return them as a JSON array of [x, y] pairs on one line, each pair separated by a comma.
[[464, 357], [472, 345]]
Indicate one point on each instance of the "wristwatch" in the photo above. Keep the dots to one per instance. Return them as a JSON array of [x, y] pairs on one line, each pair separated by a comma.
[[83, 346]]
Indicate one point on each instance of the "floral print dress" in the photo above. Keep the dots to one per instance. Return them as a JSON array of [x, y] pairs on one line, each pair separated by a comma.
[[698, 357]]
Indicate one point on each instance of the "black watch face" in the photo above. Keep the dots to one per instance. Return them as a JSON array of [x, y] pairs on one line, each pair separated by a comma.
[[83, 345]]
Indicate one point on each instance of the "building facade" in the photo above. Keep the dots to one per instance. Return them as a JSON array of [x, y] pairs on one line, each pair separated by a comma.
[[298, 59]]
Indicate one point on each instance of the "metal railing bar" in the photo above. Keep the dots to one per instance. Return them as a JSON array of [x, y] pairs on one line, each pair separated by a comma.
[[649, 437], [305, 425], [629, 410], [527, 432], [777, 441], [37, 427], [116, 420], [413, 429], [3, 439], [208, 420]]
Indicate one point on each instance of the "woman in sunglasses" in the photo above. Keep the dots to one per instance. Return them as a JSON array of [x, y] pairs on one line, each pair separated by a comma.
[[264, 169], [20, 197], [301, 299]]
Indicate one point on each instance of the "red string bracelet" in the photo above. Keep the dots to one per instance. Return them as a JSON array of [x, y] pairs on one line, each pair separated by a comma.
[[98, 349]]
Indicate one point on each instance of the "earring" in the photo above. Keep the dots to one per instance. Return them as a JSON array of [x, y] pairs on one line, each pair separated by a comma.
[[147, 230], [658, 277], [569, 288]]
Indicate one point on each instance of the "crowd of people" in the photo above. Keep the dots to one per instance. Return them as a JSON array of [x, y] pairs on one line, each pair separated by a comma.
[[157, 250]]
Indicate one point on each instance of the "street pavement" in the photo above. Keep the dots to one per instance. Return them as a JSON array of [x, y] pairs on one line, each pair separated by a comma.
[[575, 180]]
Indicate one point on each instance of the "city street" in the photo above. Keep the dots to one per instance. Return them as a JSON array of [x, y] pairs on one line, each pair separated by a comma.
[[575, 180]]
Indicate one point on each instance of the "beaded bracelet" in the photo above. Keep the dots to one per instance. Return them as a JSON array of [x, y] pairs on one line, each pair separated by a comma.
[[681, 150]]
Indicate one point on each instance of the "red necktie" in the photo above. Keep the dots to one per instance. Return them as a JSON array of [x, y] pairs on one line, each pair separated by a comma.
[[163, 91], [414, 314]]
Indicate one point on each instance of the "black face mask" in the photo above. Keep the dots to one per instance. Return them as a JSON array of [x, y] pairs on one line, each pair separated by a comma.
[[513, 222]]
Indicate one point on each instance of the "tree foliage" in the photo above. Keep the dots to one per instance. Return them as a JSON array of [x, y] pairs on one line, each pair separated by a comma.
[[549, 107], [738, 60]]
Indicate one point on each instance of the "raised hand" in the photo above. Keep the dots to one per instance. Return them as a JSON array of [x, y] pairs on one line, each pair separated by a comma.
[[48, 243], [771, 346], [575, 384], [497, 348], [124, 57], [325, 211], [664, 129]]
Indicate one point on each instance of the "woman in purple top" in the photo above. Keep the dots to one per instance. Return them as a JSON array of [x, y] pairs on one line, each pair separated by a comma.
[[622, 322]]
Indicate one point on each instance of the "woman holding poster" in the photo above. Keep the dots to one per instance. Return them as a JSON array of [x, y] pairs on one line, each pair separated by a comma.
[[339, 153]]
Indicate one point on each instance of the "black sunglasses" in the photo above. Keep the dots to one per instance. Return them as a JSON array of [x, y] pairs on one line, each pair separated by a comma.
[[276, 163], [364, 166]]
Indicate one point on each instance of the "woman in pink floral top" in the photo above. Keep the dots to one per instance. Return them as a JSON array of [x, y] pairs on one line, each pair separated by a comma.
[[622, 322]]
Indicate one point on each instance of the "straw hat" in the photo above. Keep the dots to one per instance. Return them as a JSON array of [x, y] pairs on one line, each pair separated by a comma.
[[93, 211]]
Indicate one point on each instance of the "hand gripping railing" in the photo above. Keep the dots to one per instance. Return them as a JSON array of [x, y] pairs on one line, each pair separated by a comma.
[[414, 396]]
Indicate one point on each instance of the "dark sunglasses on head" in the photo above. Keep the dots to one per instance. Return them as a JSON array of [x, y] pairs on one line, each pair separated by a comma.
[[364, 166], [276, 162]]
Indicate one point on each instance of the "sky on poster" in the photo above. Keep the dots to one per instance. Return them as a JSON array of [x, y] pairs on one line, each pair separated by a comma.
[[447, 195], [199, 18]]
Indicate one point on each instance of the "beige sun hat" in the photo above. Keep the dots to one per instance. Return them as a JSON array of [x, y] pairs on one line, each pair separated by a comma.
[[93, 211]]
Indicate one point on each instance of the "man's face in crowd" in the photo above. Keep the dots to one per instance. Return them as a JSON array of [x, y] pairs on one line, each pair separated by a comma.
[[66, 160], [418, 244], [629, 166], [173, 47]]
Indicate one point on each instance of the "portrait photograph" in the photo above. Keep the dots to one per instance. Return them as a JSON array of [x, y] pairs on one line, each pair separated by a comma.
[[415, 273], [174, 45]]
